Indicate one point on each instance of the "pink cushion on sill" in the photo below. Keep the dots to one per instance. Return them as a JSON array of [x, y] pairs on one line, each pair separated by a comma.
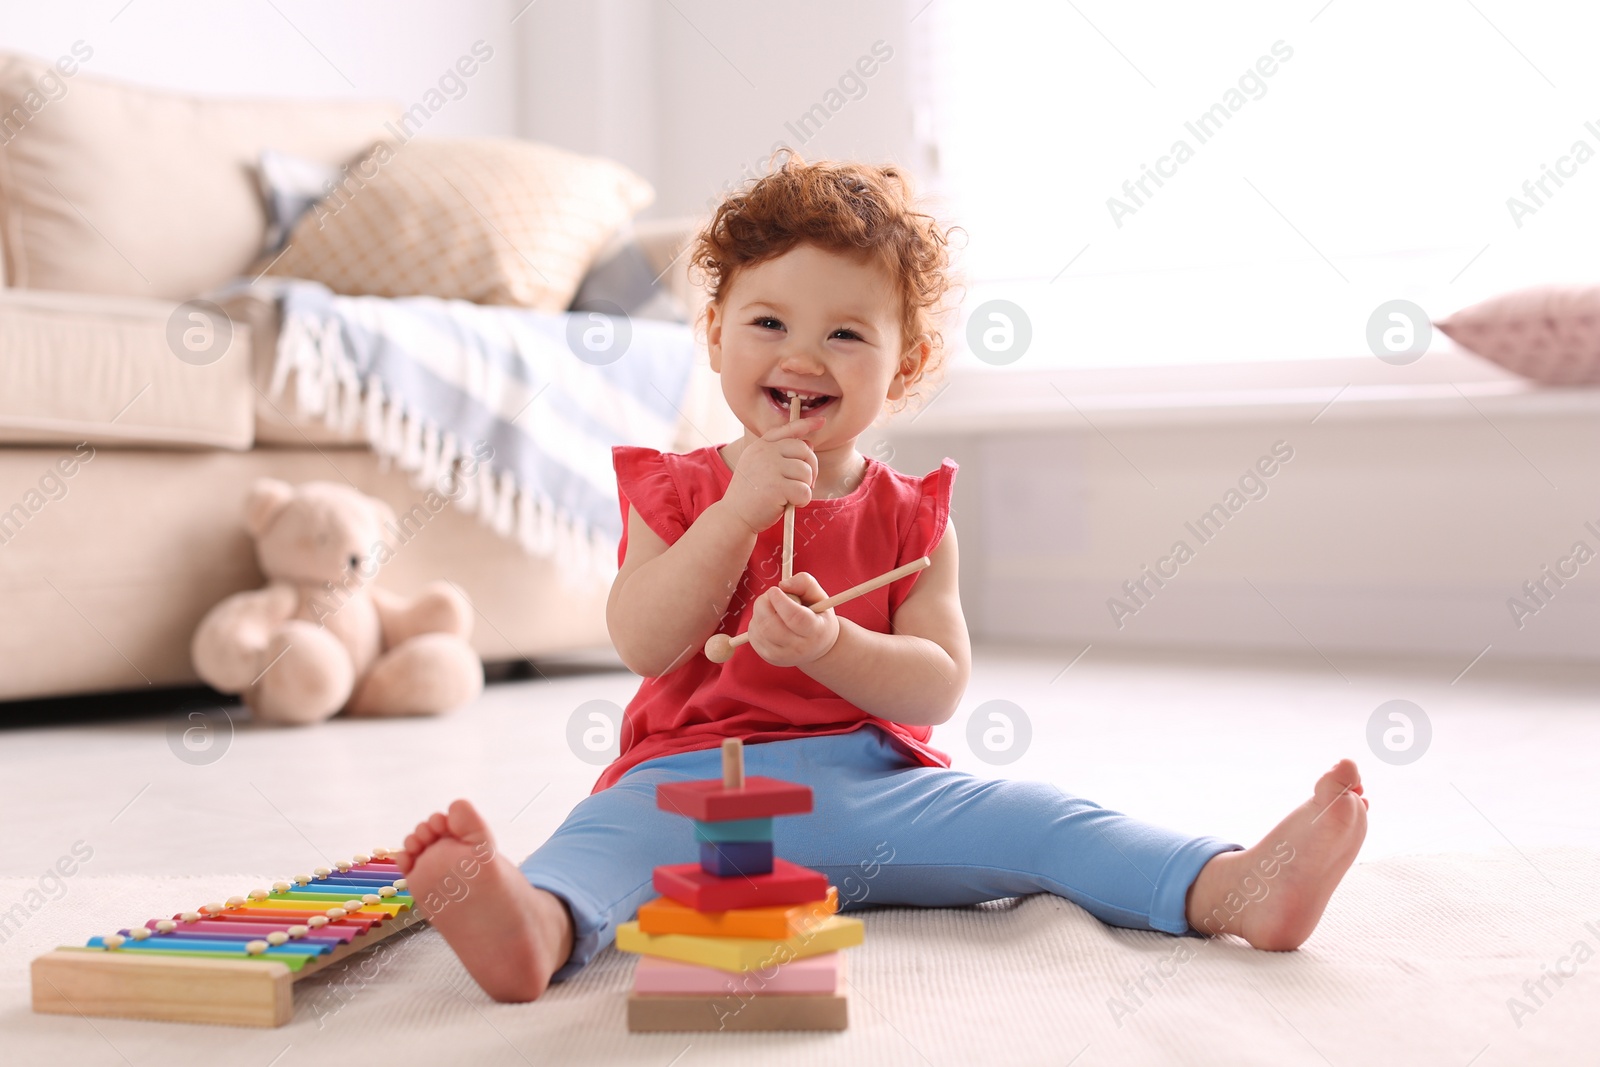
[[1549, 333]]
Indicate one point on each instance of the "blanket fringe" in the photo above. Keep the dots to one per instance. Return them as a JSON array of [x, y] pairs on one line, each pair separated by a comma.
[[326, 384]]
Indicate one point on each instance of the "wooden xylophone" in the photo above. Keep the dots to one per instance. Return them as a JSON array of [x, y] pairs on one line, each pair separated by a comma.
[[232, 963]]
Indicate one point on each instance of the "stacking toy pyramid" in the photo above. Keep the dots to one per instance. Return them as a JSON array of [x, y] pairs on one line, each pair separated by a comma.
[[741, 940]]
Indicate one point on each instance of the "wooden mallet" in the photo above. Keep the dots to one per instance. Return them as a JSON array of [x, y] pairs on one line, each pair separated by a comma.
[[788, 510], [719, 647]]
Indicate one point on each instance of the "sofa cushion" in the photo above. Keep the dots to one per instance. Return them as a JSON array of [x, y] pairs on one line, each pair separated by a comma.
[[123, 190], [492, 220], [108, 370]]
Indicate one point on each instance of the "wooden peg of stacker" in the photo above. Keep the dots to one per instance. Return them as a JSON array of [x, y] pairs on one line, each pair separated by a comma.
[[719, 647], [732, 763]]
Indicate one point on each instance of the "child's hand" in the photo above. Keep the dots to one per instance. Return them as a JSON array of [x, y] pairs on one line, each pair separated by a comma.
[[776, 469], [787, 635]]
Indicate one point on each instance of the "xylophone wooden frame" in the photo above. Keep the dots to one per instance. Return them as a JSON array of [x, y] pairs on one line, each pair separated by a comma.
[[101, 982]]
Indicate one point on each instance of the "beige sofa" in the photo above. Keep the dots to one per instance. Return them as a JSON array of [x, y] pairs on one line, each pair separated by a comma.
[[122, 467]]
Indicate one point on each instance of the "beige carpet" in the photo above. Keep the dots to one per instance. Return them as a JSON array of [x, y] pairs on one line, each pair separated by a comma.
[[1415, 963]]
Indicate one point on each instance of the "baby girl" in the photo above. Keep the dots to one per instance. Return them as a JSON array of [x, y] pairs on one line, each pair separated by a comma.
[[825, 282]]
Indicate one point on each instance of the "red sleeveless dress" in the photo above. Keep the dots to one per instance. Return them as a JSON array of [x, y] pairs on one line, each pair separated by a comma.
[[889, 519]]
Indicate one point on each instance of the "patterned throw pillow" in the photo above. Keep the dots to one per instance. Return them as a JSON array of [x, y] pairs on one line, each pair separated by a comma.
[[1550, 333], [490, 220]]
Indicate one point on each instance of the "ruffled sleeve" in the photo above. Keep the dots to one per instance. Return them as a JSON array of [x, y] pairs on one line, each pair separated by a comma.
[[928, 523], [645, 482]]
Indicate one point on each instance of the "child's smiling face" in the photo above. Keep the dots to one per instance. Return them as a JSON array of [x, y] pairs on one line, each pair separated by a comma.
[[823, 324]]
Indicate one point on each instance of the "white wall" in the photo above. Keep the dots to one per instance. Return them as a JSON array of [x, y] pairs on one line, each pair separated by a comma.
[[695, 94], [1382, 535], [357, 49], [588, 79]]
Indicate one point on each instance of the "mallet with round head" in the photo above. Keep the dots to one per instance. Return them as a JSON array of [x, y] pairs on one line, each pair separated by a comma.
[[719, 647]]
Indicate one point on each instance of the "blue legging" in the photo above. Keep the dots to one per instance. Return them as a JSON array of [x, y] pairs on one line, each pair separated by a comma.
[[885, 830]]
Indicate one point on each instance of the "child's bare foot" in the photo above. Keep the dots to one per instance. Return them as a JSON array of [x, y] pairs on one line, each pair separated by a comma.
[[511, 936], [1273, 895]]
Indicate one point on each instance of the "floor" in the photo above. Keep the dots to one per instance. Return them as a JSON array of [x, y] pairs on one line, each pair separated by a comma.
[[1215, 745]]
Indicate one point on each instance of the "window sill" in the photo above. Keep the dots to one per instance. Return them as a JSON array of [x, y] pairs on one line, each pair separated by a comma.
[[1451, 384]]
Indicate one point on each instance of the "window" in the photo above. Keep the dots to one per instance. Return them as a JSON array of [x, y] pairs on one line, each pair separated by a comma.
[[1163, 183]]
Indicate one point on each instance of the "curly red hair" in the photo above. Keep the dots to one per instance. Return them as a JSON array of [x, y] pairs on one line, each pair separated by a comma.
[[839, 207]]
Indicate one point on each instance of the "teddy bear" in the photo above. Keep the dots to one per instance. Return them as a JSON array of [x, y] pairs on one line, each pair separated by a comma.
[[319, 638]]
